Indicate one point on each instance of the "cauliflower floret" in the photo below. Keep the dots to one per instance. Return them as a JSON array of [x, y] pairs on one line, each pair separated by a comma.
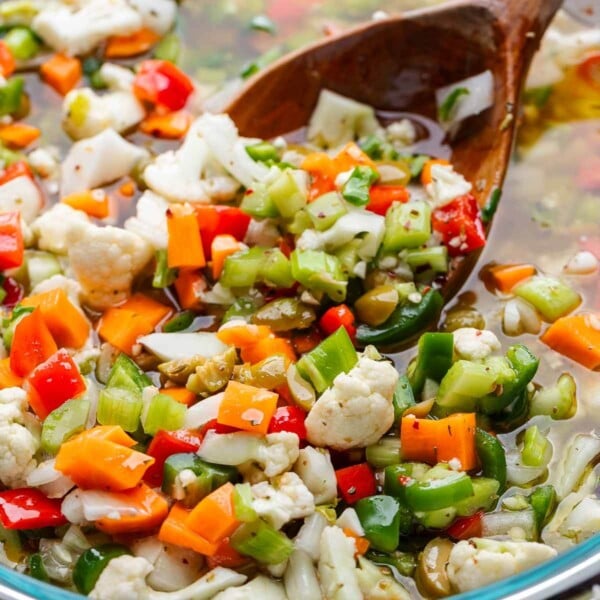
[[150, 221], [260, 587], [52, 227], [316, 471], [105, 260], [23, 195], [283, 500], [45, 161], [18, 444], [479, 562], [357, 410], [446, 185], [337, 567], [402, 132], [158, 15], [475, 344], [279, 453], [377, 585], [98, 160]]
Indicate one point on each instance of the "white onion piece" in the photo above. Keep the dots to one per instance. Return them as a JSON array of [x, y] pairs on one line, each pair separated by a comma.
[[349, 520], [479, 98], [309, 536], [582, 450], [202, 412], [229, 448], [173, 346], [90, 505], [505, 522], [300, 578], [520, 317], [583, 263]]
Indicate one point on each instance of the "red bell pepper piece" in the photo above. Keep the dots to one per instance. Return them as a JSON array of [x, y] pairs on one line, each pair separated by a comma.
[[14, 292], [15, 170], [54, 382], [356, 482], [381, 197], [220, 220], [163, 445], [11, 240], [589, 70], [161, 83], [214, 425], [32, 344], [289, 418], [336, 317], [226, 556], [466, 527], [320, 184], [28, 508], [460, 225]]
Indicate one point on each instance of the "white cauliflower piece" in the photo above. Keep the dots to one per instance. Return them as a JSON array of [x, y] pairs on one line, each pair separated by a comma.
[[475, 344], [117, 77], [316, 471], [402, 132], [479, 562], [23, 195], [52, 227], [78, 27], [377, 585], [260, 587], [446, 185], [105, 261], [98, 160], [150, 221], [45, 161], [349, 520], [283, 500], [18, 444], [357, 410], [158, 15], [337, 567]]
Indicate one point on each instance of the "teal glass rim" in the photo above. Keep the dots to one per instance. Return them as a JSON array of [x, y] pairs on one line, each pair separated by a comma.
[[568, 570]]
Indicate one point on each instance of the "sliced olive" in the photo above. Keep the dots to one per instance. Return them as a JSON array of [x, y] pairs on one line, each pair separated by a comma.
[[285, 314], [431, 575], [375, 307]]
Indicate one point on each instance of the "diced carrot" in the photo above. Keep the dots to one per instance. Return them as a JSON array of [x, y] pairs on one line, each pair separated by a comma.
[[95, 203], [92, 462], [432, 441], [180, 394], [121, 328], [62, 72], [506, 277], [576, 337], [7, 60], [110, 433], [150, 309], [32, 344], [19, 135], [127, 189], [189, 285], [172, 126], [185, 244], [226, 556], [266, 347], [7, 377], [426, 177], [213, 518], [241, 335], [304, 342], [320, 164], [150, 508], [222, 246], [67, 324], [247, 407], [320, 184], [351, 156], [124, 46], [362, 544], [175, 530]]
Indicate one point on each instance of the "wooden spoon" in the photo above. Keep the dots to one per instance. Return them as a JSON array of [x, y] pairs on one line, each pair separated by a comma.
[[397, 64]]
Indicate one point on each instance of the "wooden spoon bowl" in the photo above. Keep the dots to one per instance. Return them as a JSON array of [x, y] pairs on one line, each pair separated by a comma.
[[397, 64]]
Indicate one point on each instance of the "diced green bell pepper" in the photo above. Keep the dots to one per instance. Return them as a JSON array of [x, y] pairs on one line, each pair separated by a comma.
[[434, 493], [127, 375], [289, 193], [380, 519], [543, 502], [23, 43], [491, 456], [11, 95], [535, 447], [92, 562], [435, 257], [464, 384], [434, 359], [397, 476], [356, 189], [326, 210], [262, 542], [163, 276], [263, 152], [63, 422], [320, 271], [162, 412], [179, 322], [485, 495], [403, 397]]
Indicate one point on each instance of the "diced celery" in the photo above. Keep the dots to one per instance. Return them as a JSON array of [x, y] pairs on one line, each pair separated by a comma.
[[258, 203], [485, 494], [162, 412], [552, 297], [557, 401], [464, 384], [242, 269], [348, 255], [22, 42], [242, 503], [407, 226], [535, 447], [299, 223], [168, 48], [320, 271], [163, 276], [262, 542], [119, 406], [334, 355], [11, 95], [384, 453], [437, 519], [405, 289], [289, 192], [435, 257], [276, 269], [326, 210], [63, 422], [41, 266]]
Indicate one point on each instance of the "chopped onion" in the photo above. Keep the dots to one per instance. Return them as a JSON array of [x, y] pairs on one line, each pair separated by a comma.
[[202, 412], [309, 536], [479, 97], [173, 346], [505, 522], [520, 317], [300, 578], [582, 450], [583, 263]]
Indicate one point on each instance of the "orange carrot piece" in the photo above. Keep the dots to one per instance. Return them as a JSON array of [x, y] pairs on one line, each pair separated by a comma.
[[92, 462], [67, 324], [227, 556], [124, 46], [127, 189], [362, 544], [241, 335], [506, 277], [351, 156], [185, 244], [7, 60], [431, 441], [175, 530], [426, 177], [189, 285], [222, 246], [247, 407], [150, 507], [7, 377], [181, 394], [150, 309], [110, 433], [122, 327], [267, 347], [213, 518], [577, 337], [62, 72], [32, 344], [19, 135], [172, 126], [320, 164], [95, 203]]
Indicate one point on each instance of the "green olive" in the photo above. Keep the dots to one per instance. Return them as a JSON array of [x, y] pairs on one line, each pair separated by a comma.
[[431, 575], [269, 373], [285, 314], [375, 307], [463, 316]]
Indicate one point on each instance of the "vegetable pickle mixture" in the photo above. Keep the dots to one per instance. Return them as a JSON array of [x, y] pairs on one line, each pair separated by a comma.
[[226, 367]]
